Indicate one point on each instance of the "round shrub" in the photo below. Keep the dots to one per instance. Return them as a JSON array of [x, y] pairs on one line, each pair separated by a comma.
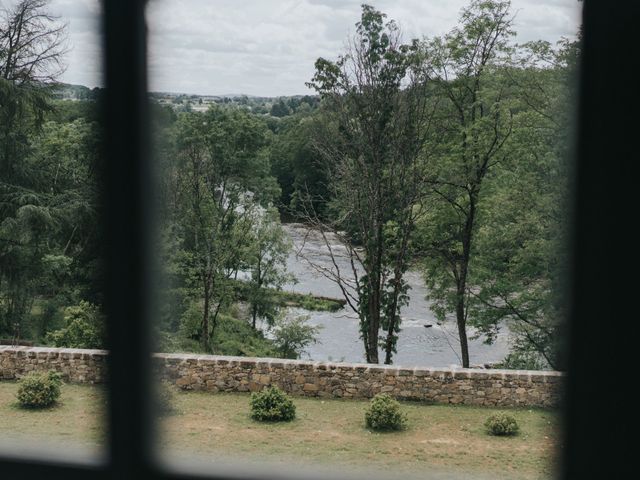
[[384, 413], [501, 424], [38, 390], [272, 405]]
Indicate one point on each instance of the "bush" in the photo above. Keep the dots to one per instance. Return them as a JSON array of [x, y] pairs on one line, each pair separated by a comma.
[[83, 328], [164, 398], [38, 390], [501, 424], [191, 322], [384, 414], [521, 361], [272, 405], [292, 335]]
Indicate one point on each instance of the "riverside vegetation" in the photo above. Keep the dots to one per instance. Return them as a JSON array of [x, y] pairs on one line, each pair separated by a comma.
[[447, 154]]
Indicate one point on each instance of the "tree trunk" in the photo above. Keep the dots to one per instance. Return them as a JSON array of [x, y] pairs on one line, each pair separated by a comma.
[[397, 284], [388, 348], [371, 345], [254, 315], [462, 329], [374, 316], [462, 280], [205, 315]]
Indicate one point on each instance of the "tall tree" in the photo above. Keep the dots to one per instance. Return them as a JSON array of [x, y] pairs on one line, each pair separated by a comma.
[[522, 247], [373, 147], [31, 58], [32, 43], [475, 120]]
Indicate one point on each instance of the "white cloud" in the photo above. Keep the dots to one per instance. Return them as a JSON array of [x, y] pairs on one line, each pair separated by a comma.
[[268, 47]]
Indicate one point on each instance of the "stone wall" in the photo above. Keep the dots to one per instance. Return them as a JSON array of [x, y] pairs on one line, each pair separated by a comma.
[[76, 365], [303, 378]]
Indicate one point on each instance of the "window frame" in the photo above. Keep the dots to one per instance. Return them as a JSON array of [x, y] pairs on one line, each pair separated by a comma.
[[594, 439]]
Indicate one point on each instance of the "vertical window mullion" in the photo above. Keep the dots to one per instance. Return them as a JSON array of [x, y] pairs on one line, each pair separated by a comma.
[[598, 400], [127, 205]]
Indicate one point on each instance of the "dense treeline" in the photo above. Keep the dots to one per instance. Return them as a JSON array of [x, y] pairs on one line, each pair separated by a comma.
[[49, 171], [446, 154]]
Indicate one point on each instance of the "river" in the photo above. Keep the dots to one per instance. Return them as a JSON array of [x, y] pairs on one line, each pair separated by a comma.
[[338, 340]]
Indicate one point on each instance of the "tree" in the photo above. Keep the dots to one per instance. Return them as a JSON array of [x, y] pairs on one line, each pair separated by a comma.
[[267, 262], [33, 206], [373, 147], [32, 44], [522, 245], [279, 109], [49, 237], [214, 189], [84, 328], [468, 69]]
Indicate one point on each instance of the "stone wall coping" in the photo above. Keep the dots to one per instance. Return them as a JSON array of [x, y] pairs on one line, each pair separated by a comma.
[[284, 363], [52, 350]]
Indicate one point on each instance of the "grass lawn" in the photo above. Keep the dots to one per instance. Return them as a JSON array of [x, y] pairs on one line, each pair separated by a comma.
[[217, 427]]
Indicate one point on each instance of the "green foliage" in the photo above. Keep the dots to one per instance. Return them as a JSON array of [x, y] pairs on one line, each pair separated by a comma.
[[164, 398], [372, 141], [266, 261], [522, 245], [279, 109], [501, 424], [477, 190], [84, 328], [310, 302], [49, 236], [236, 337], [471, 141], [494, 237], [292, 335], [217, 181], [384, 413], [521, 360], [191, 322], [272, 405], [302, 174], [172, 342], [39, 390]]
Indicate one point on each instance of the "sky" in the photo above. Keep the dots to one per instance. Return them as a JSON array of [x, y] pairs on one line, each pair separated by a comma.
[[268, 47]]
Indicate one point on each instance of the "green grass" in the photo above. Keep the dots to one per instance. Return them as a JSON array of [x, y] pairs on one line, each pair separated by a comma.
[[325, 432], [76, 420]]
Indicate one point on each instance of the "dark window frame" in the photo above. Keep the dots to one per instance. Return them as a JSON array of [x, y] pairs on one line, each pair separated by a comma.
[[595, 427]]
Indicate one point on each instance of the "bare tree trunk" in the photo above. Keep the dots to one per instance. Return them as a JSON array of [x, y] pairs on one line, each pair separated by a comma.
[[205, 314], [462, 329], [371, 345], [254, 315], [214, 324], [461, 290]]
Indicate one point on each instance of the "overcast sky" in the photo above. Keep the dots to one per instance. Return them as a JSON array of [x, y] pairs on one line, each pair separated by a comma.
[[268, 47]]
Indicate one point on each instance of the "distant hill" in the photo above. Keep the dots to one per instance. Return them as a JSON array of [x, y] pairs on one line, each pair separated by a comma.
[[271, 106], [66, 91]]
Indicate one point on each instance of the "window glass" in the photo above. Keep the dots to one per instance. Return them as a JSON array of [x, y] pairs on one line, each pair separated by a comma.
[[52, 324], [360, 205]]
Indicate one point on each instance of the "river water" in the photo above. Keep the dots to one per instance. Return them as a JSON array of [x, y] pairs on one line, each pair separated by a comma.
[[339, 340]]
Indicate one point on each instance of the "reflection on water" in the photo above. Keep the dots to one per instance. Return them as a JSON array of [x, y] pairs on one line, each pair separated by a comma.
[[435, 345]]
